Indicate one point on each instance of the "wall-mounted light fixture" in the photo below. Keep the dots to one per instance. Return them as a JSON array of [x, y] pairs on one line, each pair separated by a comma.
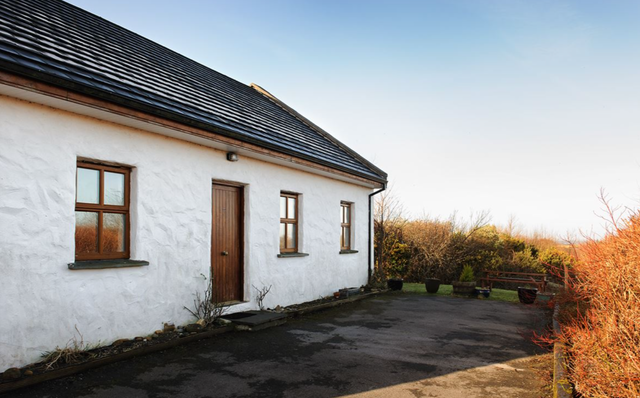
[[232, 156]]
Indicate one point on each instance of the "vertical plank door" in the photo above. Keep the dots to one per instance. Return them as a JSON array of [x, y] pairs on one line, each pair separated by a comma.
[[226, 243]]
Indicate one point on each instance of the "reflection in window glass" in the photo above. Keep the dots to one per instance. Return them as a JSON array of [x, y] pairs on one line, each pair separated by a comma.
[[86, 232], [113, 231], [291, 236], [102, 212], [113, 188], [283, 207], [346, 234], [88, 186], [288, 222], [291, 208], [345, 223]]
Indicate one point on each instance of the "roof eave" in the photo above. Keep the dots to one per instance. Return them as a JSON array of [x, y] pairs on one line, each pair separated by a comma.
[[155, 111], [160, 113], [320, 131]]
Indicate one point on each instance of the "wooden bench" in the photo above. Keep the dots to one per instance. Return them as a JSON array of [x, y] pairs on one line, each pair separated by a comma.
[[539, 280]]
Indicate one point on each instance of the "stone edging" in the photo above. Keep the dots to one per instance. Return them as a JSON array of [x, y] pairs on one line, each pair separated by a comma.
[[561, 386], [74, 369], [81, 367], [332, 304]]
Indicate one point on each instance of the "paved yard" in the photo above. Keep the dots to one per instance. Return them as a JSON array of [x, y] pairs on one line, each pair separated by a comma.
[[389, 346]]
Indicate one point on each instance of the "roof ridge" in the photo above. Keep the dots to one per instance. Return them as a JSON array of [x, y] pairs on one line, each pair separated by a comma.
[[318, 129]]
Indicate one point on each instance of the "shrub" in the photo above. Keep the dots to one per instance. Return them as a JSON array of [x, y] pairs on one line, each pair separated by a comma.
[[209, 308], [603, 335], [435, 248], [429, 242], [556, 261], [526, 261], [467, 274]]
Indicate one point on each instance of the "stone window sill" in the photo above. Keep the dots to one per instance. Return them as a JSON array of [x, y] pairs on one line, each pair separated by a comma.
[[348, 251], [286, 255], [103, 264]]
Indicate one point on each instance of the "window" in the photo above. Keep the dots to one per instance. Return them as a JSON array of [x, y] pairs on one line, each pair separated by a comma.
[[345, 226], [288, 223], [102, 212]]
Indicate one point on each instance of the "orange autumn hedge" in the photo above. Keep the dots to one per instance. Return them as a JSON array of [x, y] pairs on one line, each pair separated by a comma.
[[603, 334]]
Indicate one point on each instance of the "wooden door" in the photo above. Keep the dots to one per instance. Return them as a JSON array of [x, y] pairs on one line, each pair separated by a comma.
[[227, 243]]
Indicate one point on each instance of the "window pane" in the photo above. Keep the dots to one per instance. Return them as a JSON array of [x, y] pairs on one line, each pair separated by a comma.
[[113, 188], [282, 233], [291, 208], [291, 236], [113, 232], [283, 207], [346, 237], [347, 215], [86, 232], [88, 186]]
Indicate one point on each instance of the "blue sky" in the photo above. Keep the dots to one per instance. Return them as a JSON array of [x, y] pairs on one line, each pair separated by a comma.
[[523, 108]]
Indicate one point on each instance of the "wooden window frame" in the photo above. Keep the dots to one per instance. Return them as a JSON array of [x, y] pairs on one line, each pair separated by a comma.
[[344, 225], [290, 221], [102, 208]]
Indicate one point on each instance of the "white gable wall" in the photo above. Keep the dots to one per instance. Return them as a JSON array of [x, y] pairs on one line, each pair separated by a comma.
[[42, 301]]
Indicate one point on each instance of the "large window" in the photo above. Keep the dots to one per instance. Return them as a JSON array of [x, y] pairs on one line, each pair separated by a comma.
[[288, 223], [102, 212], [345, 226]]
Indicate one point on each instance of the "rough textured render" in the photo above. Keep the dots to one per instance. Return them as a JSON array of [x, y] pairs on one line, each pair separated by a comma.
[[171, 228]]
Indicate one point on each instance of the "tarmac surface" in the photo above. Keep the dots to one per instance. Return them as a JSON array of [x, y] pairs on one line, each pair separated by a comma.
[[395, 345]]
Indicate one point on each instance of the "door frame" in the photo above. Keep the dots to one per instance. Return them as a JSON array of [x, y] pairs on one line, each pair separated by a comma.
[[241, 231]]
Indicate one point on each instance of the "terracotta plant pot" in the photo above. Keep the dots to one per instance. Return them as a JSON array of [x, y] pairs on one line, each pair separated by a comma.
[[432, 285], [395, 283], [463, 288], [527, 295]]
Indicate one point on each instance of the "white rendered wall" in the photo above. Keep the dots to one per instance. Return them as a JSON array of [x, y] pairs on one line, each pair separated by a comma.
[[42, 301]]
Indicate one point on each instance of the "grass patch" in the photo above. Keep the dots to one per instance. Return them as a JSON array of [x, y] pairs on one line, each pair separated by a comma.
[[510, 296]]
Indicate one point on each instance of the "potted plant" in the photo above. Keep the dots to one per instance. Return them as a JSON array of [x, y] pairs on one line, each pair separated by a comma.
[[466, 285], [432, 285], [395, 283], [527, 295]]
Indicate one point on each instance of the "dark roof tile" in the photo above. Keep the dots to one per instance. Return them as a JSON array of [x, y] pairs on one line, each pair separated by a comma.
[[64, 45]]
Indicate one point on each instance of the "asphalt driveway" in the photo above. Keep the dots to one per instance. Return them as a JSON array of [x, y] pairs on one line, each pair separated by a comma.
[[396, 345]]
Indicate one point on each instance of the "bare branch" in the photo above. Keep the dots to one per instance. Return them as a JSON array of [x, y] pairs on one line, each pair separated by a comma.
[[262, 293]]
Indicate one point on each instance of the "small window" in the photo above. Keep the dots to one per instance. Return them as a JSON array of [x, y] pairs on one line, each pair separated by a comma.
[[102, 212], [288, 223], [345, 226]]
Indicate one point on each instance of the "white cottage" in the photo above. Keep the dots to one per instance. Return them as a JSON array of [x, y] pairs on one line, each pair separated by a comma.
[[127, 172]]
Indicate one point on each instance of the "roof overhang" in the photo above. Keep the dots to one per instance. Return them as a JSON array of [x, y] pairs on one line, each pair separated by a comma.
[[46, 94]]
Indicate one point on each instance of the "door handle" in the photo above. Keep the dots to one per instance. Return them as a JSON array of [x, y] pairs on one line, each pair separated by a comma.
[[225, 253]]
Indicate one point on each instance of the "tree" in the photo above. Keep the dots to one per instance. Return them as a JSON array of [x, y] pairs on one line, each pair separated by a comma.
[[391, 253]]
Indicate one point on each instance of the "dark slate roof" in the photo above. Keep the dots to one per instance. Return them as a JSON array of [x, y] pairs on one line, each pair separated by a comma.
[[60, 44]]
